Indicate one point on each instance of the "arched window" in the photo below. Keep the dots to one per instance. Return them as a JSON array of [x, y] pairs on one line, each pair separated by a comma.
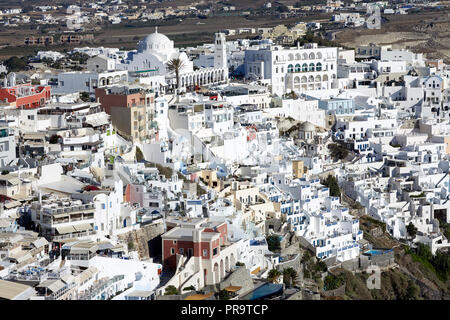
[[304, 67], [298, 56], [298, 68], [297, 80], [319, 55], [312, 55], [311, 79], [291, 57], [290, 68], [304, 79], [305, 56], [318, 66], [312, 67]]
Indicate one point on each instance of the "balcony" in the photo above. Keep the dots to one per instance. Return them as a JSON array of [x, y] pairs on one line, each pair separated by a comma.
[[75, 235]]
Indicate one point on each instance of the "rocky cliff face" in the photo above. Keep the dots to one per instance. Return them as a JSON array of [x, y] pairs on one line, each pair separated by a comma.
[[138, 239]]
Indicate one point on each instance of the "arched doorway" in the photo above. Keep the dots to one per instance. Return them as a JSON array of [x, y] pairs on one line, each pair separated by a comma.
[[227, 264], [222, 271], [216, 273]]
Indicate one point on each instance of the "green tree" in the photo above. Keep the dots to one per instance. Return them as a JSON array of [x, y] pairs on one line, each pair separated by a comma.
[[84, 96], [332, 282], [189, 288], [289, 276], [223, 295], [273, 242], [170, 291], [338, 152], [139, 154], [412, 230], [282, 8], [15, 64], [441, 262], [273, 275], [424, 252], [54, 139], [412, 292], [176, 65], [332, 184]]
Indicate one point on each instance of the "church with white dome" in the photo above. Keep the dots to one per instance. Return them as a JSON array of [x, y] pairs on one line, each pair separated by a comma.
[[156, 50]]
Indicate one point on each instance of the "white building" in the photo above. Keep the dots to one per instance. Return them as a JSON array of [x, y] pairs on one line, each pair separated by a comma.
[[295, 69]]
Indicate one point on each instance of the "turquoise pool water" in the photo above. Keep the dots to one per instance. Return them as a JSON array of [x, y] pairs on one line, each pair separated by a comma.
[[375, 252]]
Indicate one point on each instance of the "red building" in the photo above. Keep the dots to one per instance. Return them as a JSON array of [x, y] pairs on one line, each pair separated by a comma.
[[202, 239], [200, 246], [26, 96]]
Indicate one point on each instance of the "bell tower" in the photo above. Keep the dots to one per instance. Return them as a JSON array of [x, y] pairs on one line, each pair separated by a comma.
[[220, 51]]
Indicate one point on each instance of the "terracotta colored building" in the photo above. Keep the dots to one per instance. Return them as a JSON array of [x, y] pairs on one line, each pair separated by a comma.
[[197, 239], [26, 96], [122, 97]]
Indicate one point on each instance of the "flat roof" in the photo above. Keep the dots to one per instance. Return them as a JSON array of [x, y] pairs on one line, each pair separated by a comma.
[[140, 293], [9, 290]]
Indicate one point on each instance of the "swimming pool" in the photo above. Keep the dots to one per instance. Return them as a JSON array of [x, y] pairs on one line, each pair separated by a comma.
[[264, 291], [375, 252]]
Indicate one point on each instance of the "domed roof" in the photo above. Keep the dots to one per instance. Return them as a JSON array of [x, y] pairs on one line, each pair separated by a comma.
[[307, 126], [156, 42]]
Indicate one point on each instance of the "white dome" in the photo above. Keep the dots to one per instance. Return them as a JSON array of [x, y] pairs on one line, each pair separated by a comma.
[[307, 126], [155, 42]]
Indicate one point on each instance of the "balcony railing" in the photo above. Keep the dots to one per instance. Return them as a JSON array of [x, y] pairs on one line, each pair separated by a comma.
[[75, 235]]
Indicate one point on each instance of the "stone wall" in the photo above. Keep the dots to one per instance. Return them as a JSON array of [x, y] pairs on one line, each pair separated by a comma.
[[310, 295], [240, 277], [334, 293], [351, 265], [142, 236], [294, 263], [363, 262], [275, 223]]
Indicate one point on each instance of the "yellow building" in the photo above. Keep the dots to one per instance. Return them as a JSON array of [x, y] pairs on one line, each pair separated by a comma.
[[298, 168]]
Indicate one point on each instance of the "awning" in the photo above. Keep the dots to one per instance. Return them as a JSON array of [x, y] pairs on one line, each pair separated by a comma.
[[256, 271], [53, 285], [233, 288], [68, 278], [61, 215], [65, 229], [83, 227], [104, 245], [87, 274], [198, 296], [12, 204], [118, 248], [40, 242], [24, 258]]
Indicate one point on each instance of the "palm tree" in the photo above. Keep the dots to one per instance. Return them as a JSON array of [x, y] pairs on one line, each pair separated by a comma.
[[273, 275], [175, 65]]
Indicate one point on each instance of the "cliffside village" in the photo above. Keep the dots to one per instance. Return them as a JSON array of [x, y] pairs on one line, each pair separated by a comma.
[[168, 173]]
